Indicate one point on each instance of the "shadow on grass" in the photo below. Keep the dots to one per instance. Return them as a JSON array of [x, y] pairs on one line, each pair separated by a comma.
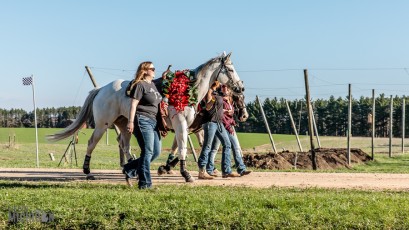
[[14, 184]]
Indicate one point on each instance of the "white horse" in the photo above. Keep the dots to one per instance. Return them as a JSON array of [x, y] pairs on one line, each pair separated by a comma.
[[109, 105]]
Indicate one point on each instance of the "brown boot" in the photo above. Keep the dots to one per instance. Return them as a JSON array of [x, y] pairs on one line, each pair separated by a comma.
[[215, 173], [204, 175]]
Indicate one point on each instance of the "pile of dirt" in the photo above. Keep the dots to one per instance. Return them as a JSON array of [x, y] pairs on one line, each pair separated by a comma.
[[327, 158]]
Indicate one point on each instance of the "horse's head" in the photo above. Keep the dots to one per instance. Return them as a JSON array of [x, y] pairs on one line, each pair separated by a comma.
[[240, 106], [227, 75]]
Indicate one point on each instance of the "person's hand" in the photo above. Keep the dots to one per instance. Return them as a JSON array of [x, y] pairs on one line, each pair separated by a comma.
[[165, 106], [229, 112], [164, 74], [215, 85], [130, 127]]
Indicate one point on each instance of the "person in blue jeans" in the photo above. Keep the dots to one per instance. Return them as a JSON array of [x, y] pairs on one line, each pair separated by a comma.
[[212, 128], [142, 124], [228, 123], [237, 156]]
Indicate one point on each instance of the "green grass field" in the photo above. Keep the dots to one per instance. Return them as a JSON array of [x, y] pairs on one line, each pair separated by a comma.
[[78, 205], [27, 135], [97, 206], [21, 153]]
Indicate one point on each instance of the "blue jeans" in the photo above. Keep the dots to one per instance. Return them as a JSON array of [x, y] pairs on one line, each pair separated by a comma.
[[212, 129], [148, 137], [237, 154]]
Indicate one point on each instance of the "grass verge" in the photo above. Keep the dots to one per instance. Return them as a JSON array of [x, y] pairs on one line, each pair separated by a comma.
[[101, 206]]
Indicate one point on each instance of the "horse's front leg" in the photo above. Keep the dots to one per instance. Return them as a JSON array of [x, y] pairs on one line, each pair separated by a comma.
[[172, 160], [179, 124]]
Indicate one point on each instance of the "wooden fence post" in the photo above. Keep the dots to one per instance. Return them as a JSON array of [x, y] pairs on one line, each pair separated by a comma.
[[315, 127], [293, 125], [349, 124], [310, 125], [266, 123]]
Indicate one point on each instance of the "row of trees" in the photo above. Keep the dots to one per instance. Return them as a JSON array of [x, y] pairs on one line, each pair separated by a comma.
[[331, 116], [46, 118]]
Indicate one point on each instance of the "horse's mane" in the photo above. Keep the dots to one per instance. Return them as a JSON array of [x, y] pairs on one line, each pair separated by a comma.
[[203, 68]]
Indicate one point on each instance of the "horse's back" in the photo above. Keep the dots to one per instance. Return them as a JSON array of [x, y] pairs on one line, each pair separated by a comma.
[[111, 101]]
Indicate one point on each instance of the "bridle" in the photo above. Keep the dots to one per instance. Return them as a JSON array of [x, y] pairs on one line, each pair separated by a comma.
[[233, 85], [240, 105]]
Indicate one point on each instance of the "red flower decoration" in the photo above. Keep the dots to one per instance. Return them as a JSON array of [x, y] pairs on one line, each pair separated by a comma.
[[179, 91]]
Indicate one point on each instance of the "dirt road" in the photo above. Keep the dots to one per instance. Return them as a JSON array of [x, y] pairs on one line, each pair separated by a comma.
[[365, 181]]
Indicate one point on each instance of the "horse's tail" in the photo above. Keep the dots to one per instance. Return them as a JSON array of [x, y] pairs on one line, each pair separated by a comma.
[[85, 113]]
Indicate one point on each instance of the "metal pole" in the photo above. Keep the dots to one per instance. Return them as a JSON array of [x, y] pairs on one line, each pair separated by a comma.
[[35, 123], [107, 134], [373, 124], [390, 127], [293, 125], [403, 125], [349, 124], [266, 123], [310, 125]]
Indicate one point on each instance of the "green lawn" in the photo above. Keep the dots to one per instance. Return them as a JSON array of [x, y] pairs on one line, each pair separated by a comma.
[[105, 156], [97, 206], [77, 205], [27, 135]]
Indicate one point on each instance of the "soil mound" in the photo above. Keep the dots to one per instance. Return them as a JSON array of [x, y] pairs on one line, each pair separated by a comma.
[[327, 158]]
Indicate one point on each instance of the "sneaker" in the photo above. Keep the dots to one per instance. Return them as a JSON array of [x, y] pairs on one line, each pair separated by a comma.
[[245, 173], [232, 174]]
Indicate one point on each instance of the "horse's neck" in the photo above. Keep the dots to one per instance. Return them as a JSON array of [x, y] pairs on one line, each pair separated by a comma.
[[205, 79]]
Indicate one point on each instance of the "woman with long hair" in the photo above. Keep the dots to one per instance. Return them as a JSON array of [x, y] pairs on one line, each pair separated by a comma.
[[143, 125]]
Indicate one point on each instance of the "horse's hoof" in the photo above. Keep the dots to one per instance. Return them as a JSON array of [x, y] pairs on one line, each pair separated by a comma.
[[161, 170], [128, 181], [86, 170], [187, 176], [90, 177]]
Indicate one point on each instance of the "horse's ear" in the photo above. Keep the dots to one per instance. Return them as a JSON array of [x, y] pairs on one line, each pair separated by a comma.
[[228, 56]]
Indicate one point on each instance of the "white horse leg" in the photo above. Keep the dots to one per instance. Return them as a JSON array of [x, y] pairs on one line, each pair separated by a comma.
[[124, 139], [179, 124], [92, 142], [181, 133]]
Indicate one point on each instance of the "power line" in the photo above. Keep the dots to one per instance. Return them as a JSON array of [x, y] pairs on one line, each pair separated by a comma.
[[288, 69]]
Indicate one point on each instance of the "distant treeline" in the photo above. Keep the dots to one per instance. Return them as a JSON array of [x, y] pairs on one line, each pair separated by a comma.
[[46, 118], [331, 116]]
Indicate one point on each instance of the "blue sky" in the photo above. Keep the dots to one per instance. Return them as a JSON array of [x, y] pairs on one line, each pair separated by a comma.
[[364, 43]]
